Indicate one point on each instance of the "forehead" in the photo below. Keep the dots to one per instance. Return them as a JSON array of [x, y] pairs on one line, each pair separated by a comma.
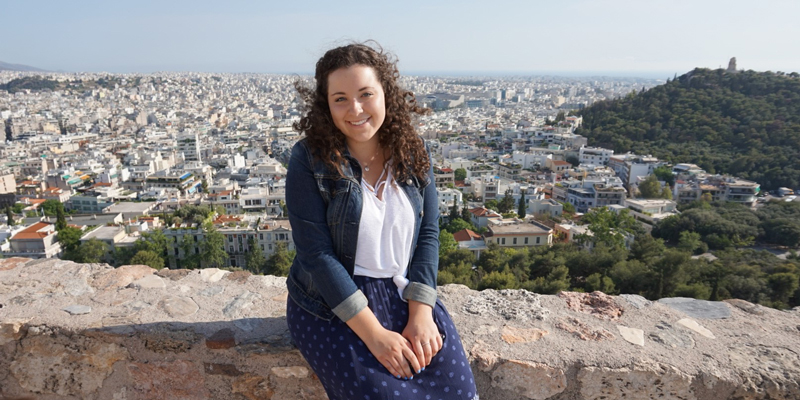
[[353, 79]]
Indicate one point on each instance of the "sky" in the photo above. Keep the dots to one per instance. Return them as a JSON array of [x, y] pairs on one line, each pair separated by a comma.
[[649, 38]]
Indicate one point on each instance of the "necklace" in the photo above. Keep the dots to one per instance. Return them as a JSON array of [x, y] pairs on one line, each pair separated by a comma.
[[366, 165]]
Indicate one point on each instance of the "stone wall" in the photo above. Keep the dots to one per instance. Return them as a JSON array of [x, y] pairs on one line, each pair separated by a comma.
[[88, 331]]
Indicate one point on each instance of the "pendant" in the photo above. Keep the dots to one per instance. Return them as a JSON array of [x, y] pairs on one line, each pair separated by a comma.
[[366, 168]]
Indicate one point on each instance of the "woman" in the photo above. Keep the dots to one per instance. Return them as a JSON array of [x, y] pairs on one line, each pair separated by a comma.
[[364, 212]]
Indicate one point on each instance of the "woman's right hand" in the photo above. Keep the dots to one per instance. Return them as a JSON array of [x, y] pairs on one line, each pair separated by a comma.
[[394, 352], [390, 348]]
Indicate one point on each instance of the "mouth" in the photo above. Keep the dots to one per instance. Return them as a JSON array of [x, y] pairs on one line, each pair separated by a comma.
[[359, 123]]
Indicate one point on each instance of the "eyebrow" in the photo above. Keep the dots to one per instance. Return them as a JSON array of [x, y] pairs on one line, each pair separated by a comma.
[[360, 90]]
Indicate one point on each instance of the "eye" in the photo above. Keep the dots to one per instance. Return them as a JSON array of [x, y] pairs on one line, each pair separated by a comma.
[[367, 94], [339, 99]]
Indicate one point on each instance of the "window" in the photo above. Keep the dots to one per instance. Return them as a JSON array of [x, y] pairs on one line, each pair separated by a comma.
[[230, 239], [260, 236], [537, 239], [230, 248], [515, 240], [526, 240], [504, 241]]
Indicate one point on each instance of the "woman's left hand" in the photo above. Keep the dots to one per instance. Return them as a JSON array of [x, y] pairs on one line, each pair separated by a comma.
[[422, 333]]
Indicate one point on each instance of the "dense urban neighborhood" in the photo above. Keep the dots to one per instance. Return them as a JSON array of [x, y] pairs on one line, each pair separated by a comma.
[[187, 170]]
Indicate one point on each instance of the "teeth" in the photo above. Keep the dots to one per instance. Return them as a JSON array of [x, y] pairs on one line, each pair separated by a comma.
[[362, 122]]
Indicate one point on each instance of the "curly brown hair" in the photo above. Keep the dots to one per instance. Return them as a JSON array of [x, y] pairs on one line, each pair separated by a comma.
[[396, 134]]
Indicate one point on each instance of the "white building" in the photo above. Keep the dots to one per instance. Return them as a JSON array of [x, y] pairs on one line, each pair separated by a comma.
[[594, 155]]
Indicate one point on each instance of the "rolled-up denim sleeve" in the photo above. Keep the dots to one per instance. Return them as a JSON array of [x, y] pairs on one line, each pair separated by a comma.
[[425, 263], [312, 239]]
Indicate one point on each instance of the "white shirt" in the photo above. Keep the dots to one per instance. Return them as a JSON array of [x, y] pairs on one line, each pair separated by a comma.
[[385, 232]]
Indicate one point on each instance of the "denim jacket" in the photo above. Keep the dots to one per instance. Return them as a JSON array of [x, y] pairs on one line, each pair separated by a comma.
[[325, 211]]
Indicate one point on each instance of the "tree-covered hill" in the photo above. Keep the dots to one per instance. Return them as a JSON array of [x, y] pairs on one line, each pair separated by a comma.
[[745, 123]]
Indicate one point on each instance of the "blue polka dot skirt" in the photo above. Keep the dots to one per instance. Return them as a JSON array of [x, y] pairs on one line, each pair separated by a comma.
[[348, 370]]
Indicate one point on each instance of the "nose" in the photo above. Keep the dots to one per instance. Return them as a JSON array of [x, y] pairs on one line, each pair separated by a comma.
[[355, 107]]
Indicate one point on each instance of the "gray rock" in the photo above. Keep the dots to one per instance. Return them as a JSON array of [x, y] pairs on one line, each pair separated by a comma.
[[178, 306], [77, 287], [241, 303], [212, 291], [636, 300], [671, 337], [698, 308], [520, 305], [77, 309], [135, 306]]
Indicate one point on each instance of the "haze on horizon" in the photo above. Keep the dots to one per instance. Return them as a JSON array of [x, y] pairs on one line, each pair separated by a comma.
[[573, 37]]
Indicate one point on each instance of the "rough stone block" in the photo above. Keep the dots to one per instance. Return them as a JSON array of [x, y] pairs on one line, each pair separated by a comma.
[[179, 379], [644, 383], [66, 366], [530, 380]]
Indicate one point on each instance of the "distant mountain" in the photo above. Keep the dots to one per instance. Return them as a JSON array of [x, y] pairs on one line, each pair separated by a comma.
[[18, 67], [744, 123]]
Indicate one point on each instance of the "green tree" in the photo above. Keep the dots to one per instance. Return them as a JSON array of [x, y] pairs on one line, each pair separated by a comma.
[[506, 204], [522, 206], [454, 213], [70, 237], [191, 258], [460, 174], [556, 281], [446, 243], [650, 188], [599, 282], [61, 220], [255, 261], [668, 270], [690, 241], [279, 262], [499, 280], [465, 214], [91, 251], [457, 225], [664, 173], [149, 258], [153, 240], [568, 208], [212, 248], [783, 285], [610, 228], [666, 192], [51, 207], [491, 204], [9, 216], [204, 186]]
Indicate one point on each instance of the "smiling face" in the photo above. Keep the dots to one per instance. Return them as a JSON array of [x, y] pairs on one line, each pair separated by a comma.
[[356, 102]]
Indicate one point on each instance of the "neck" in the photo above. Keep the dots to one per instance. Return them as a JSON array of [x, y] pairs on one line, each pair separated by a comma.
[[368, 154], [364, 152]]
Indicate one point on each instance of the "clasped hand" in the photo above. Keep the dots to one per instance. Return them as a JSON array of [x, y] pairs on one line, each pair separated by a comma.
[[410, 353]]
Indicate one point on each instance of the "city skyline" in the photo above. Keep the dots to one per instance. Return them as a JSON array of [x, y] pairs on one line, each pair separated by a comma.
[[608, 37]]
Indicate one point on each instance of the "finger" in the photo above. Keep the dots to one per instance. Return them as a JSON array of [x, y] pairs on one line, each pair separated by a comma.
[[428, 353], [403, 363], [389, 365], [413, 360], [419, 352]]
